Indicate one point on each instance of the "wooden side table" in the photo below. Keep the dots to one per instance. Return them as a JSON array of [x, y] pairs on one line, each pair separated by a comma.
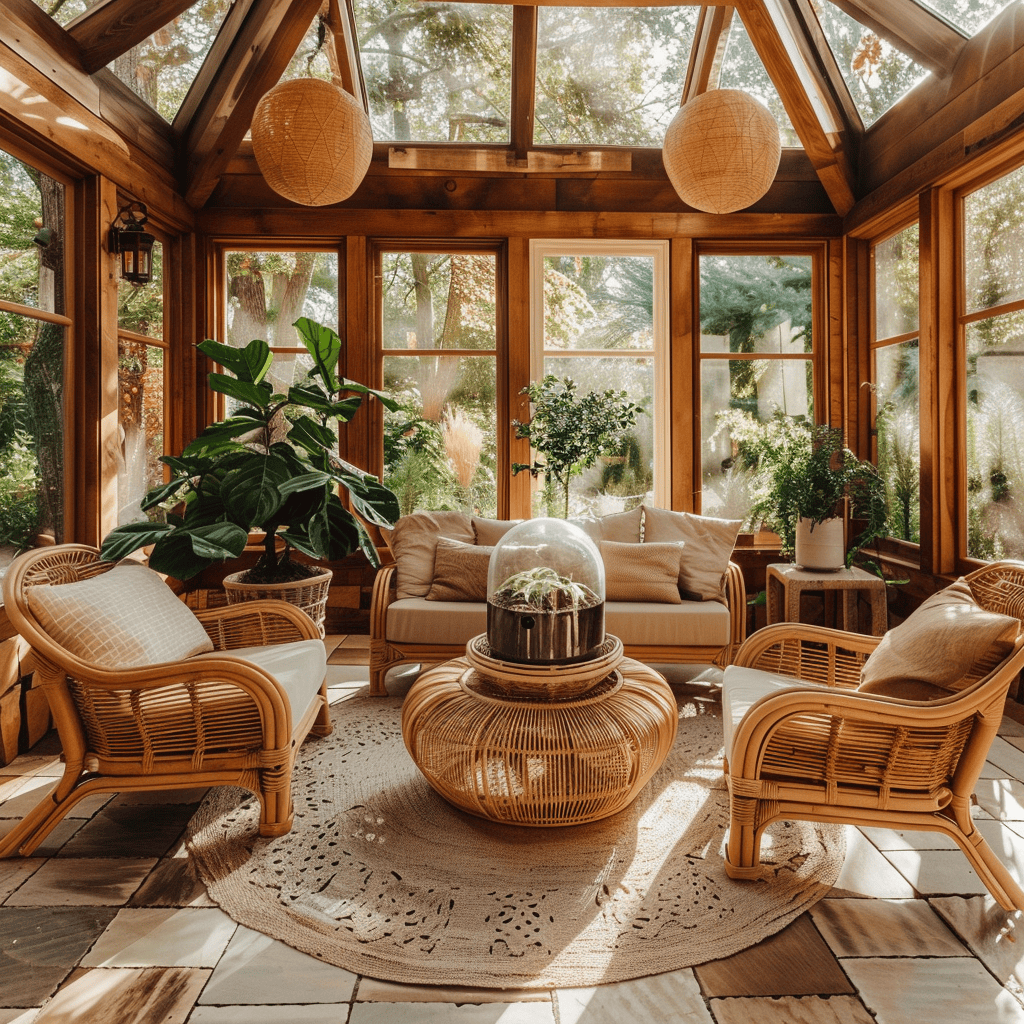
[[785, 584]]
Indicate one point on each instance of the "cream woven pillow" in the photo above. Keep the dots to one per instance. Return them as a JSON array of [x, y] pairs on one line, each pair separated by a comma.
[[937, 645], [460, 571], [413, 542], [641, 572], [125, 618], [708, 545]]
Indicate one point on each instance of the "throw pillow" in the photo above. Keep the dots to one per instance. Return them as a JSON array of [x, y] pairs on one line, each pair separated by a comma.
[[124, 618], [622, 527], [938, 645], [490, 531], [413, 541], [707, 548], [641, 572], [460, 571]]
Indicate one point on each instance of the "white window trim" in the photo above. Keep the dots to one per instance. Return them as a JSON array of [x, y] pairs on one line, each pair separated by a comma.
[[659, 250]]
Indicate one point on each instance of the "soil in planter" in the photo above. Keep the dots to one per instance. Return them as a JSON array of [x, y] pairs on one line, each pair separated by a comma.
[[286, 572], [520, 633]]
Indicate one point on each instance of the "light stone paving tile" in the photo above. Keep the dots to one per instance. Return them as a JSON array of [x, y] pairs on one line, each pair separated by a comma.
[[994, 935], [1008, 757], [18, 1016], [792, 1010], [884, 928], [1002, 798], [26, 796], [1009, 726], [35, 764], [866, 872], [373, 990], [162, 937], [347, 675], [325, 1013], [449, 1013], [93, 881], [257, 969], [892, 839], [932, 991], [172, 883], [357, 641], [673, 998], [331, 641], [59, 835], [14, 872], [937, 872], [155, 995]]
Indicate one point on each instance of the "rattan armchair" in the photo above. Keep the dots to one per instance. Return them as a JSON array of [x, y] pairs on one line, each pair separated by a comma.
[[204, 721], [824, 752]]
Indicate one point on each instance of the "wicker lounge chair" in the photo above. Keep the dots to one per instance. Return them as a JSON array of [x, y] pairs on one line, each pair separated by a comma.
[[825, 752], [211, 719]]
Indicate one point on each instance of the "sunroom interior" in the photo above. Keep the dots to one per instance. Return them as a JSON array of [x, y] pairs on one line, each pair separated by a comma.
[[517, 220]]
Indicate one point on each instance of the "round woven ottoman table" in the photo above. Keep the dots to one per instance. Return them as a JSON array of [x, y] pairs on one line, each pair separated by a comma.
[[539, 745]]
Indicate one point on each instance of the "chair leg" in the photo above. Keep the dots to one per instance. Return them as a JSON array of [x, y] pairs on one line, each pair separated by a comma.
[[743, 852], [275, 795], [26, 836], [323, 726]]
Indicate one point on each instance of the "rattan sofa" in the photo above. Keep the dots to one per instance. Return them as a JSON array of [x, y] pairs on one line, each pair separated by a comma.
[[406, 629]]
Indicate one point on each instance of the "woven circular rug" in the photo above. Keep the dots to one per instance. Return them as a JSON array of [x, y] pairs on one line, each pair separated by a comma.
[[380, 876]]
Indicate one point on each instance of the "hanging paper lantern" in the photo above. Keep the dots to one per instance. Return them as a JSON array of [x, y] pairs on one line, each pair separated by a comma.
[[312, 141], [721, 151]]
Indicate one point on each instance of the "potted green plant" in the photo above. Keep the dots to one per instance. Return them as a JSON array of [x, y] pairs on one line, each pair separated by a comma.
[[270, 466], [802, 475], [570, 432]]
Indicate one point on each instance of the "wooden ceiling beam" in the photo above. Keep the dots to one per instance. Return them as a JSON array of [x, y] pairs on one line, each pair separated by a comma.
[[912, 28], [709, 42], [28, 29], [524, 79], [805, 95], [258, 56], [113, 27]]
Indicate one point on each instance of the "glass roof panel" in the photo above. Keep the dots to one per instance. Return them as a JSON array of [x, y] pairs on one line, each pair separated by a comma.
[[967, 15], [436, 72], [742, 69], [65, 11], [610, 76], [162, 68], [876, 73]]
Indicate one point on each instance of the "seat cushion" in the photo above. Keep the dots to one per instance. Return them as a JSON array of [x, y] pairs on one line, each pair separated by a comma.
[[415, 620], [688, 624], [299, 667], [126, 617], [742, 688]]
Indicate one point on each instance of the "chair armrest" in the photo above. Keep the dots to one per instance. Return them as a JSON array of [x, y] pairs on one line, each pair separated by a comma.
[[257, 624], [736, 602], [382, 596], [813, 654]]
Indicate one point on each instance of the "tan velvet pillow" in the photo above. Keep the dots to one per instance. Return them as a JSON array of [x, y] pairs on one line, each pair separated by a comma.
[[125, 618], [707, 548], [641, 572], [490, 531], [622, 527], [460, 571], [413, 541], [936, 646]]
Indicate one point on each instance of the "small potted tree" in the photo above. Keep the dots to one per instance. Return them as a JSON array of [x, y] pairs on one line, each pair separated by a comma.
[[271, 466]]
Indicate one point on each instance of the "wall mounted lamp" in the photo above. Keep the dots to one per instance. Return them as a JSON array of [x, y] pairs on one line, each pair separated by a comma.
[[133, 245]]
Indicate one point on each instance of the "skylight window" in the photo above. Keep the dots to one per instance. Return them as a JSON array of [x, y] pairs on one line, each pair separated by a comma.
[[437, 72], [966, 15], [610, 76]]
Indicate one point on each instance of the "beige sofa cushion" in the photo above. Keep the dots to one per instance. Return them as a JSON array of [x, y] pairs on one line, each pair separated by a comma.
[[688, 624], [938, 644], [413, 542], [416, 620], [622, 527], [742, 688], [641, 572], [125, 618], [490, 531], [460, 571], [707, 548]]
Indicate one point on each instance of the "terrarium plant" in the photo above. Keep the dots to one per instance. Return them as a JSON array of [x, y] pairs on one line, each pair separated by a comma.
[[570, 432], [544, 589], [270, 466]]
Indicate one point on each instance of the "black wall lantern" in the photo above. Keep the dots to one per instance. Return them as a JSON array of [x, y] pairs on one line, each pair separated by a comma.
[[133, 245]]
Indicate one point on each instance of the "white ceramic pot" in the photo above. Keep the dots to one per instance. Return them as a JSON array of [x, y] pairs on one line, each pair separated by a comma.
[[820, 546]]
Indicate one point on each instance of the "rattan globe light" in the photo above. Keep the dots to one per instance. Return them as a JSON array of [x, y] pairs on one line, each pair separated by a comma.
[[312, 141], [721, 151]]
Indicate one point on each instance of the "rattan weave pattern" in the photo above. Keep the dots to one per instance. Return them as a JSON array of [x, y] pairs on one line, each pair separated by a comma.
[[310, 595]]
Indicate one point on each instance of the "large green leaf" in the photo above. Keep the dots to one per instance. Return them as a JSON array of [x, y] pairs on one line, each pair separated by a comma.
[[258, 395], [372, 500], [219, 540], [175, 556], [312, 396], [158, 495], [252, 493], [386, 400], [324, 345], [306, 482], [122, 541], [247, 364], [312, 436], [219, 437], [346, 408]]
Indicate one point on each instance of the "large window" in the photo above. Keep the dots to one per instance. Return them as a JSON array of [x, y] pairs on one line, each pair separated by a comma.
[[992, 319], [600, 320], [33, 330], [896, 379], [440, 344], [756, 362]]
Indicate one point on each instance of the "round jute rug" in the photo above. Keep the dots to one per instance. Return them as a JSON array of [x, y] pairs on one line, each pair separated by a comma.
[[379, 875]]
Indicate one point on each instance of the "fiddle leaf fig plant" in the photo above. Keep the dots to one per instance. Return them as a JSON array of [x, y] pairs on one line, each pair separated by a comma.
[[271, 465]]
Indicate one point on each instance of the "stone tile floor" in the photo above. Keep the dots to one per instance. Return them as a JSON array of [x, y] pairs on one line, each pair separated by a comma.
[[106, 924]]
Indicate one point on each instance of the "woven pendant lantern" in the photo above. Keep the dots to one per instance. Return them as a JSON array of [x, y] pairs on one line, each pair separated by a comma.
[[721, 151], [312, 141]]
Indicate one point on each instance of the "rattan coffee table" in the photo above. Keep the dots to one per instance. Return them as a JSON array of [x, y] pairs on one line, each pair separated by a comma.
[[500, 745]]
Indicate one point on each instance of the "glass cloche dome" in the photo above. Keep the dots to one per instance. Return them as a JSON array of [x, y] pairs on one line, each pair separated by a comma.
[[545, 594]]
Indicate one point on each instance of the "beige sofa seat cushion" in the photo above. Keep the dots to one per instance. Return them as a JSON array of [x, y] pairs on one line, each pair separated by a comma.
[[460, 571], [707, 547], [641, 572], [299, 667], [689, 624], [415, 620], [742, 688], [126, 617], [938, 644], [413, 542]]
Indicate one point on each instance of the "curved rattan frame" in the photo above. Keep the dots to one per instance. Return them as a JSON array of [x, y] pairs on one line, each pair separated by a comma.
[[862, 759], [206, 722]]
